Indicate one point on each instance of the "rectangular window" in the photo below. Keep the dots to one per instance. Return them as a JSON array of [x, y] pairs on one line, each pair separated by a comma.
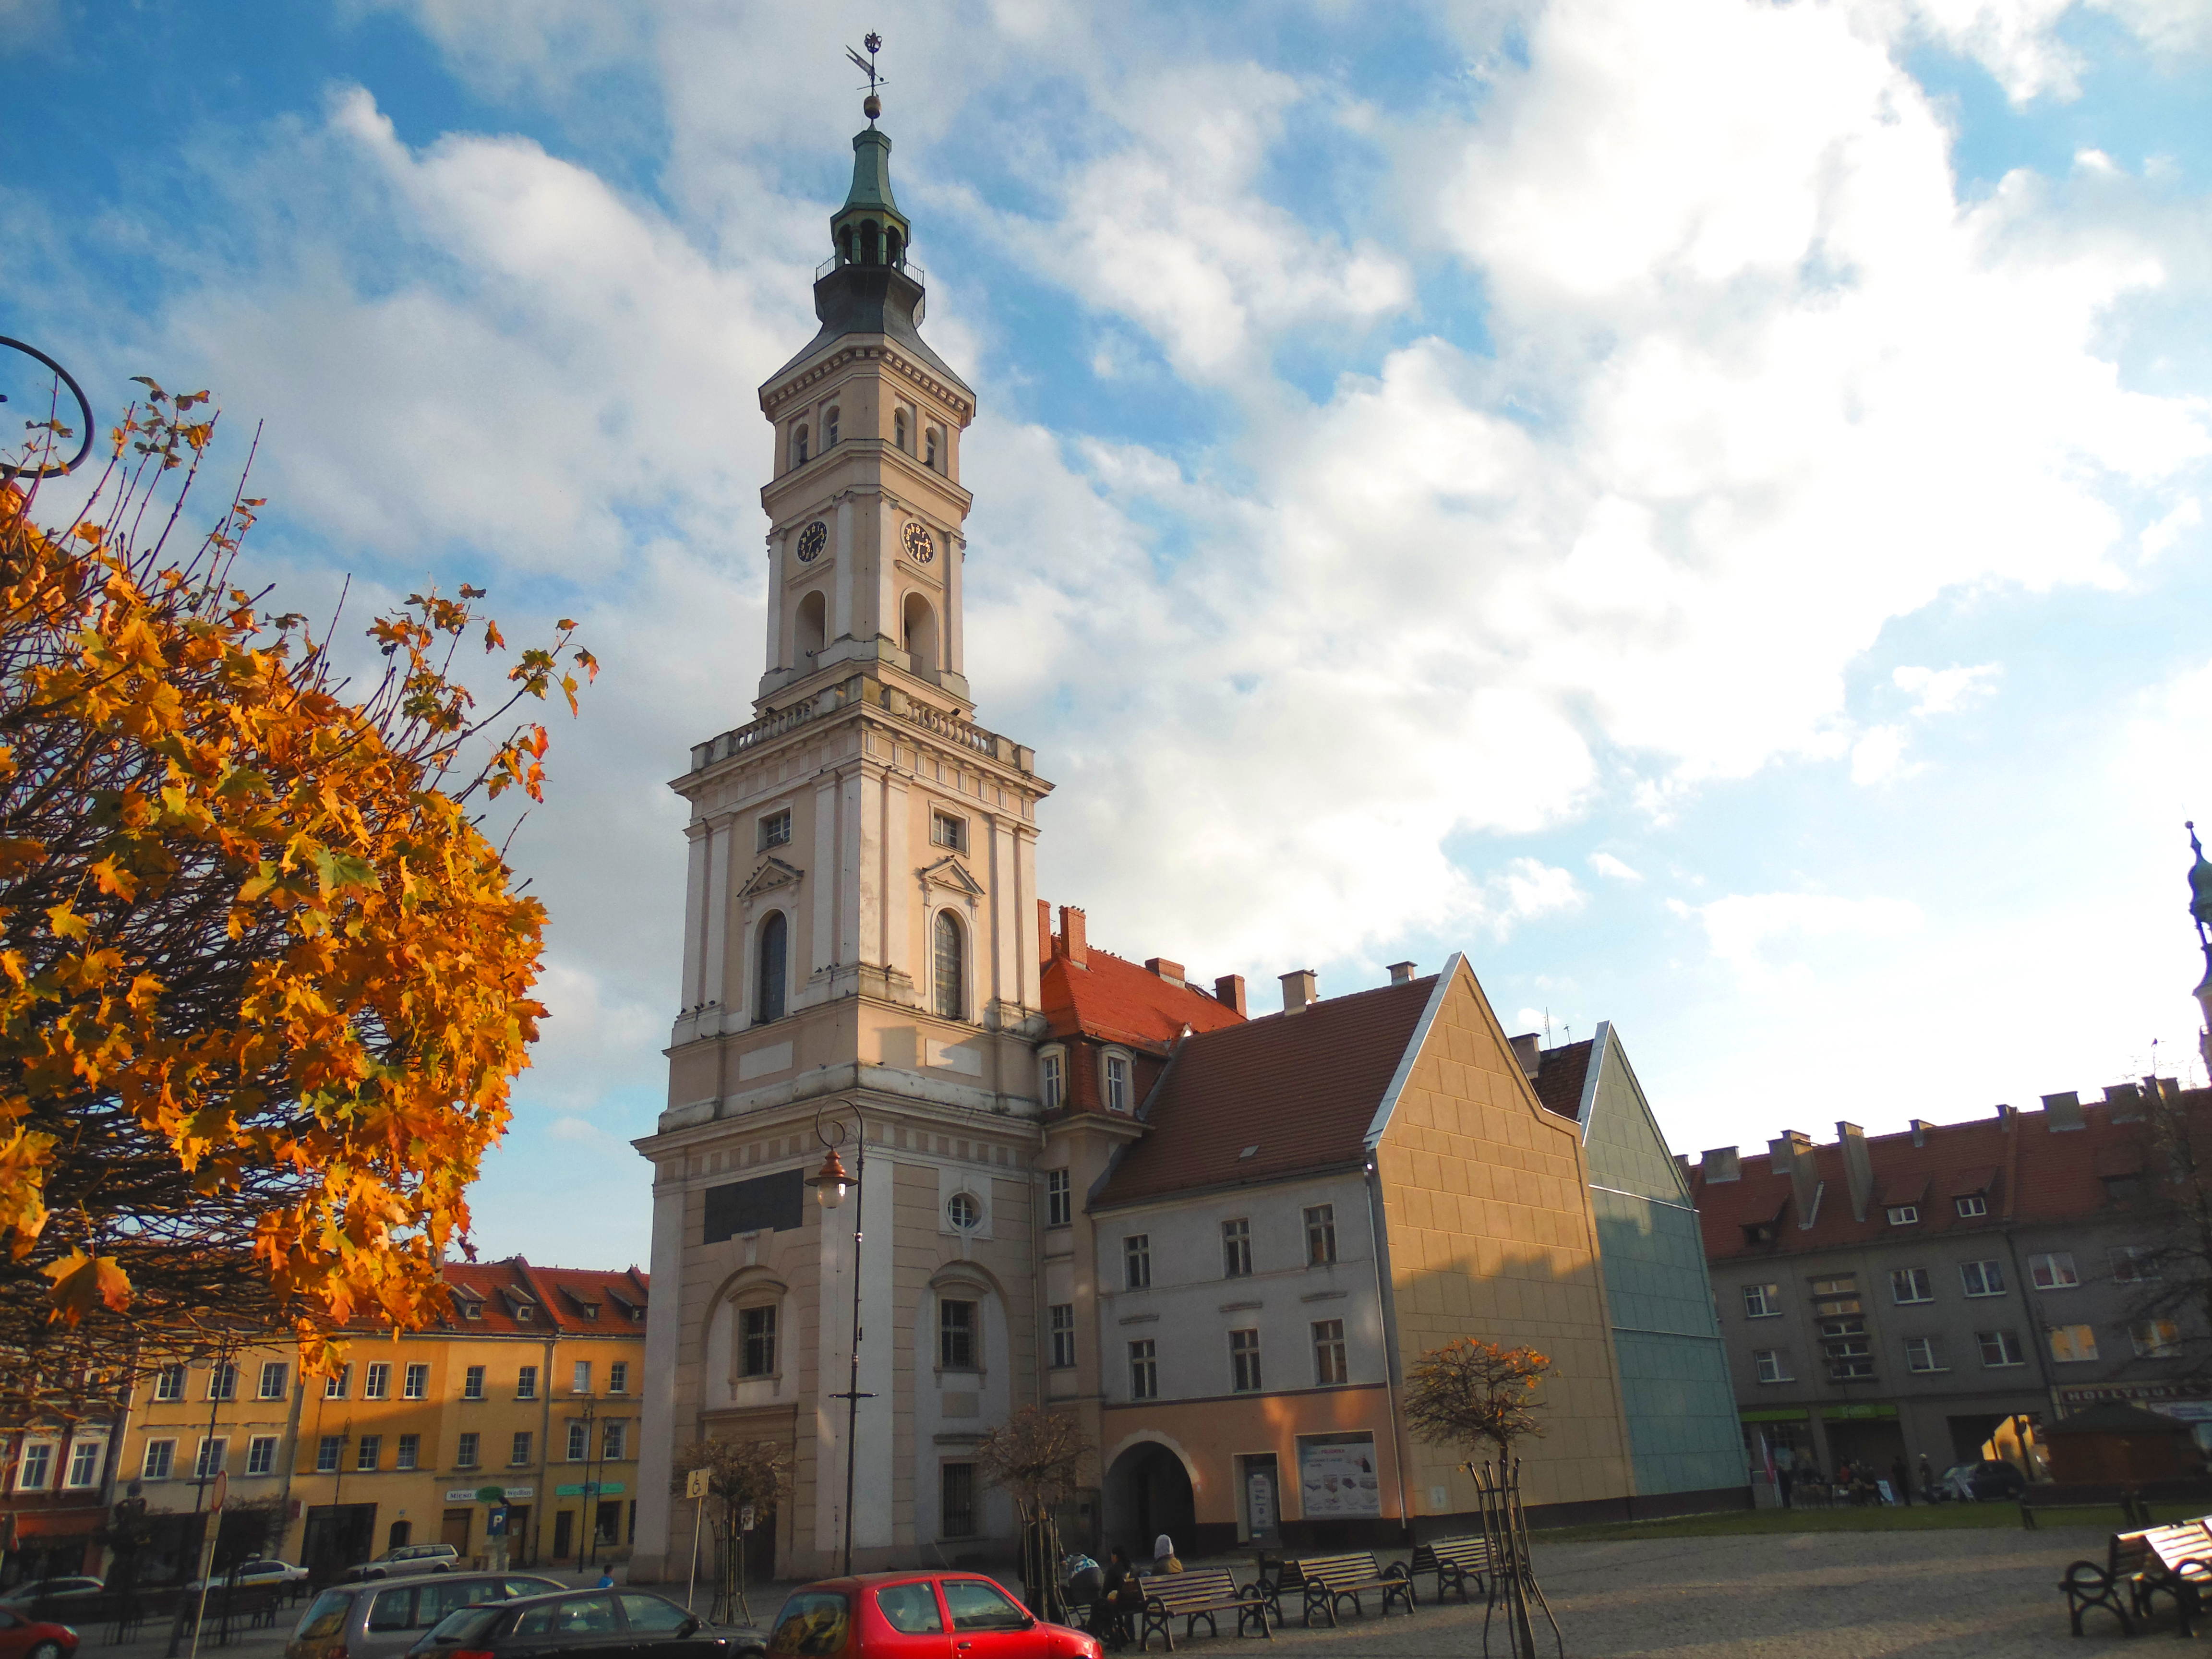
[[1904, 1215], [1920, 1354], [1136, 1261], [2073, 1344], [328, 1450], [1911, 1285], [370, 1449], [1059, 1200], [1144, 1370], [465, 1455], [2134, 1264], [1981, 1278], [1245, 1362], [955, 1335], [618, 1376], [775, 830], [261, 1455], [956, 1507], [757, 1331], [521, 1453], [1971, 1205], [214, 1450], [1052, 1079], [1236, 1248], [161, 1457], [169, 1382], [222, 1381], [472, 1383], [579, 1442], [614, 1441], [1329, 1352], [1762, 1301], [2052, 1271], [335, 1385], [376, 1382], [525, 1383], [1321, 1235], [1062, 1320], [276, 1377], [2155, 1339], [579, 1378], [1845, 1344], [946, 831], [1773, 1364], [410, 1448], [37, 1467], [84, 1463], [416, 1385], [1117, 1083]]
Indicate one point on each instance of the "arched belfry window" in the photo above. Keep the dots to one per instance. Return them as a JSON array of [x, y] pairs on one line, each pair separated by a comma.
[[893, 248], [898, 430], [830, 428], [798, 445], [774, 942], [929, 449], [950, 967]]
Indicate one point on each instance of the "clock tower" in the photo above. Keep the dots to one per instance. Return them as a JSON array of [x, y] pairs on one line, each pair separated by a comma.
[[861, 950]]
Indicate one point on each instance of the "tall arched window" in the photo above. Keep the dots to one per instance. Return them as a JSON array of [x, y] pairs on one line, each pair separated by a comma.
[[811, 625], [950, 967], [768, 1000], [898, 428], [799, 445], [929, 443], [830, 428], [918, 633]]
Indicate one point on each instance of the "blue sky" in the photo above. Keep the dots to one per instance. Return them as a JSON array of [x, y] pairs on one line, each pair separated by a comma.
[[1699, 506]]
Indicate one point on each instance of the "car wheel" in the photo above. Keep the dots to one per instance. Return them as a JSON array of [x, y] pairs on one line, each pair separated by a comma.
[[46, 1651]]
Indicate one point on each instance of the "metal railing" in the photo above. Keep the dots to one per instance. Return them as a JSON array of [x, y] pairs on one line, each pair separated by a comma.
[[952, 728]]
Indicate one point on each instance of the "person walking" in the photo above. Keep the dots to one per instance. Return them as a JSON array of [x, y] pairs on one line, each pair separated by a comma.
[[1901, 1481], [1785, 1471]]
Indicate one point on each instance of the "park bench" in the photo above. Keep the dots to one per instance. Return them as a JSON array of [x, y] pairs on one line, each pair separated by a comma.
[[2175, 1561], [1456, 1562], [1325, 1581], [1195, 1594]]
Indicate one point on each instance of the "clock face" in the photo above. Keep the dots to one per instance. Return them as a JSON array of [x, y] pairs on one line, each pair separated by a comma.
[[813, 540], [920, 545]]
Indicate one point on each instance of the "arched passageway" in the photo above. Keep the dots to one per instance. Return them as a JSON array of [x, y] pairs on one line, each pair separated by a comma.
[[1147, 1492]]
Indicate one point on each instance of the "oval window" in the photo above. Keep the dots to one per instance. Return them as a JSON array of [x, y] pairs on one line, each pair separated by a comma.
[[964, 1212]]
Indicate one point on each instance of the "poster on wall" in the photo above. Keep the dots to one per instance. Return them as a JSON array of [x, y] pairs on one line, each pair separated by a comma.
[[1337, 1476]]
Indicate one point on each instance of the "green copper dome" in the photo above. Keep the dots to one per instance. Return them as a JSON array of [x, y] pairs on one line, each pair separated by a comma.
[[2200, 882], [869, 229]]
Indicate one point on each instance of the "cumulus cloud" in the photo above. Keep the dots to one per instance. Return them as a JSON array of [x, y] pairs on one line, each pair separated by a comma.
[[1760, 935], [1606, 864]]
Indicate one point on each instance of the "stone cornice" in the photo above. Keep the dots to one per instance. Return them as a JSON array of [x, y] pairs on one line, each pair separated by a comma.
[[879, 349]]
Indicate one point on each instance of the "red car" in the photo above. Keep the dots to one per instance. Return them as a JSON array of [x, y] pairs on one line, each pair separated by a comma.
[[34, 1638], [918, 1616]]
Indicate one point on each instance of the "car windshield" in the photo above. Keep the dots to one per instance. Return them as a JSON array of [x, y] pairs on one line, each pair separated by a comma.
[[811, 1626], [325, 1616]]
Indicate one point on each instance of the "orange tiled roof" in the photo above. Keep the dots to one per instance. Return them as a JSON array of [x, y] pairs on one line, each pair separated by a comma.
[[559, 1298], [1119, 1001]]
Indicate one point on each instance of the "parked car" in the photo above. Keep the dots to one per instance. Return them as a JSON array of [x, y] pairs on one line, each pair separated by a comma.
[[879, 1614], [255, 1574], [1991, 1478], [410, 1558], [76, 1588], [382, 1620], [34, 1638], [604, 1624]]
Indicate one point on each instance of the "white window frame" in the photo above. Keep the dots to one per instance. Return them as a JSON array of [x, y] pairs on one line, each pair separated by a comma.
[[580, 1442], [468, 1451], [1970, 1206], [1987, 1270], [168, 1384], [415, 1382], [1060, 1317], [472, 1383], [2168, 1346], [408, 1453], [1052, 1077], [1920, 1356], [618, 1376], [376, 1380], [1904, 1215], [280, 1373], [36, 1472], [1772, 1366], [948, 830], [261, 1455], [1125, 1089], [85, 1455], [168, 1450], [1245, 1376], [2128, 1264], [330, 1454], [1918, 1278], [2053, 1270], [771, 829], [1762, 1302], [2064, 1335], [1059, 1198], [214, 1457], [580, 1377]]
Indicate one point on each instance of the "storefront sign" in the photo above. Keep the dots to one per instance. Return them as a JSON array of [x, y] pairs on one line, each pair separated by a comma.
[[475, 1494], [1843, 1414], [2075, 1397], [591, 1489], [1337, 1475]]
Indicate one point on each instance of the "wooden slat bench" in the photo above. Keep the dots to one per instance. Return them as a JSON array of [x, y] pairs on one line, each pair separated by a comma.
[[1195, 1594], [2139, 1567], [1325, 1581], [1456, 1562]]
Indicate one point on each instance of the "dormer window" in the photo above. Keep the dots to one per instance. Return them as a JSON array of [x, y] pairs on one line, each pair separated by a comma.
[[1904, 1215], [1117, 1082], [471, 1309]]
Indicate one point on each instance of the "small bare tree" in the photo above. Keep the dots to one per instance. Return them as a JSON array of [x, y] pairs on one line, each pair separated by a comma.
[[1036, 1457], [1470, 1391], [741, 1474]]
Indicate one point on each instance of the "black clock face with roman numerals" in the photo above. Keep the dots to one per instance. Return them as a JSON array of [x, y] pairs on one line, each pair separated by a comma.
[[920, 545], [811, 541]]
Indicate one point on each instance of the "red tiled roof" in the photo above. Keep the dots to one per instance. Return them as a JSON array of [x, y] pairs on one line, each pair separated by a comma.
[[1560, 1077], [1300, 1089], [2028, 1171], [1122, 1002], [557, 1297]]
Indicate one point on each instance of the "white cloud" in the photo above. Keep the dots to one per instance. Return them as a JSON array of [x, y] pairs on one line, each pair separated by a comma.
[[1606, 864], [1763, 935], [1945, 690], [1879, 754]]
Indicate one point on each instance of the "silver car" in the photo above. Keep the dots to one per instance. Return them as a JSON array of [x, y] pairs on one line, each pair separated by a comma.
[[382, 1618]]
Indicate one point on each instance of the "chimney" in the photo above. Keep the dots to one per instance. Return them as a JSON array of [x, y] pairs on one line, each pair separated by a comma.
[[1525, 1051], [1721, 1164], [1161, 968], [1044, 932], [2061, 1112], [1858, 1168], [1921, 1126], [1229, 991], [2125, 1103], [1072, 945], [1297, 989], [1401, 973], [1790, 1154], [2004, 1115]]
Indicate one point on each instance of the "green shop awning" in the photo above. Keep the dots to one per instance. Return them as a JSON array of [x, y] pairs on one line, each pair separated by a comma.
[[1839, 1413], [1785, 1414]]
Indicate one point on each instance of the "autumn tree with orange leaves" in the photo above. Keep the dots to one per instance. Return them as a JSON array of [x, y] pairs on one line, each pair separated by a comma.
[[265, 981]]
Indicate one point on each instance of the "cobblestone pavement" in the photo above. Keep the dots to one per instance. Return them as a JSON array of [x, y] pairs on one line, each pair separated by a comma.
[[1991, 1594]]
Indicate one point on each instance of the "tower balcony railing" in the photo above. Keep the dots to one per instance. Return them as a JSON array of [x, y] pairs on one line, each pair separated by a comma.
[[989, 744], [904, 267]]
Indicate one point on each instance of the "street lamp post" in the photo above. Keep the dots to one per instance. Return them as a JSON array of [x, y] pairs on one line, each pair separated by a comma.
[[829, 1183], [589, 1544]]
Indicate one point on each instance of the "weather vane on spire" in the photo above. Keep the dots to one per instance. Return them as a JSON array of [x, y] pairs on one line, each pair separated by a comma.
[[872, 106]]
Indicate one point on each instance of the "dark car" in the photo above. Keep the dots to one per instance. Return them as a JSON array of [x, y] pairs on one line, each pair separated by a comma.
[[382, 1618], [599, 1624], [918, 1616], [1991, 1478]]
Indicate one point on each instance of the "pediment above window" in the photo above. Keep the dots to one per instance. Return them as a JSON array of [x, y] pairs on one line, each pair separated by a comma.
[[949, 872], [773, 873]]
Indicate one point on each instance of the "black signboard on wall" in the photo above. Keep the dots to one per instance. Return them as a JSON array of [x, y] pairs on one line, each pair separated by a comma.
[[764, 1204]]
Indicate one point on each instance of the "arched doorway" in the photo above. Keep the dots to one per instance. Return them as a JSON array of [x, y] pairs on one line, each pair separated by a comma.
[[1147, 1492]]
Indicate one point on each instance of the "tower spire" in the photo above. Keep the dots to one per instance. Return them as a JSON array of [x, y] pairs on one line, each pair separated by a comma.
[[869, 229]]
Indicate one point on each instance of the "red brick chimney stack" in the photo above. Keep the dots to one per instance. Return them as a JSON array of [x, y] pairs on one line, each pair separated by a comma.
[[1229, 991], [1044, 932], [1072, 945]]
